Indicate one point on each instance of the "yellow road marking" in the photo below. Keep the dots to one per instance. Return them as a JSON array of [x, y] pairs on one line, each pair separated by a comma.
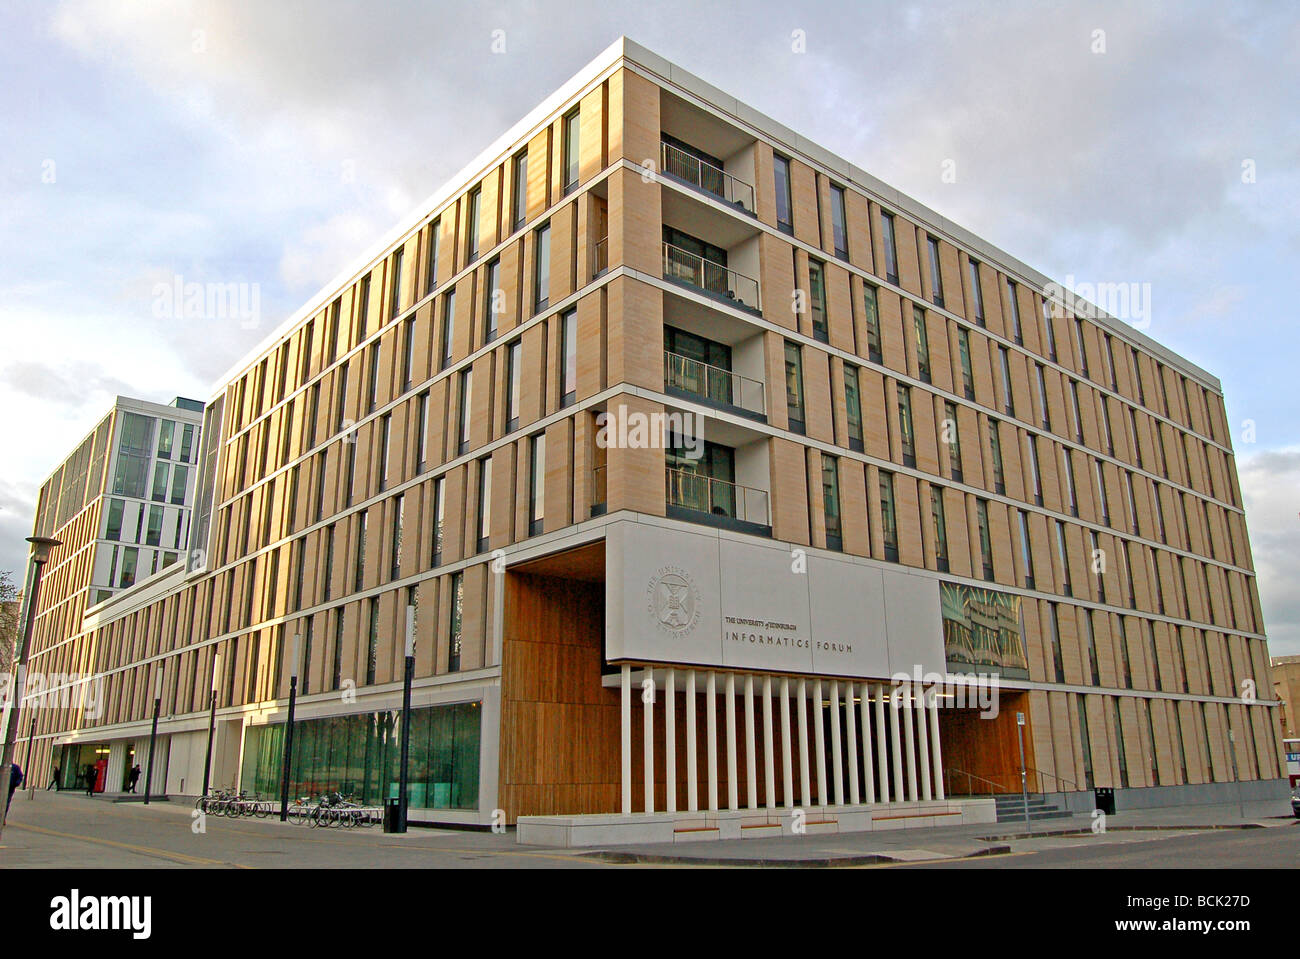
[[147, 850]]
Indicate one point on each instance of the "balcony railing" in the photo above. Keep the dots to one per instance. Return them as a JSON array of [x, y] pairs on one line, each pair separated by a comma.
[[713, 278], [599, 257], [714, 384], [705, 176], [717, 498]]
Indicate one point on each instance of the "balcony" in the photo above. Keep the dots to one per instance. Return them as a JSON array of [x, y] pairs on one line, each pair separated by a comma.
[[713, 279], [600, 257], [700, 498], [714, 386], [706, 177], [599, 493]]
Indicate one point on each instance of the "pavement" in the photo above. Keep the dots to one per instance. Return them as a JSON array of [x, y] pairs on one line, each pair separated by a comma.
[[68, 830]]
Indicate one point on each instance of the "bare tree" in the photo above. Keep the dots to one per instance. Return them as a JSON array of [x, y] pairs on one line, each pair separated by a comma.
[[9, 607]]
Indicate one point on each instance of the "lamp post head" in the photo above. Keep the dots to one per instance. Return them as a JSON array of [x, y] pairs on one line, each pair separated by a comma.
[[41, 547]]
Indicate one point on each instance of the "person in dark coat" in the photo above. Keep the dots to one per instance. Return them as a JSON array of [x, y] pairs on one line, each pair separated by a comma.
[[54, 781], [135, 776], [91, 775], [15, 780]]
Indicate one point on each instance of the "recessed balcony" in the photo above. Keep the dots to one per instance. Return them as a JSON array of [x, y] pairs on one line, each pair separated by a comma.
[[711, 278], [700, 498], [714, 386], [694, 170]]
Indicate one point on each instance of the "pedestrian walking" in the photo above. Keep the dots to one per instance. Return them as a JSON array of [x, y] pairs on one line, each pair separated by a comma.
[[54, 782], [15, 780], [135, 776]]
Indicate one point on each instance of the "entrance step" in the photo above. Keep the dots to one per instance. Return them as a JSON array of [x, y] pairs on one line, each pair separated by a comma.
[[1012, 808]]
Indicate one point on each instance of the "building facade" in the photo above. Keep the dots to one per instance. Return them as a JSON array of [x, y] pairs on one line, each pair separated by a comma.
[[719, 476]]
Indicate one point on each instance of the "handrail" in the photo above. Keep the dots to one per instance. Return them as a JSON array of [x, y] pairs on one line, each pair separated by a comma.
[[714, 382], [714, 180], [948, 770], [1062, 779], [599, 256], [713, 278]]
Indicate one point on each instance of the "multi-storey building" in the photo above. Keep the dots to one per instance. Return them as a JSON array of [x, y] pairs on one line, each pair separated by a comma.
[[658, 396], [120, 505]]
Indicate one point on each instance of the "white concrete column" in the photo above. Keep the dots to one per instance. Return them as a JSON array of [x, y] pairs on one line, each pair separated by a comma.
[[909, 740], [837, 754], [934, 743], [733, 784], [819, 743], [751, 751], [896, 704], [804, 780], [868, 763], [769, 749], [692, 755], [648, 735], [923, 744], [711, 727], [787, 759], [670, 741], [882, 754], [851, 727], [625, 729]]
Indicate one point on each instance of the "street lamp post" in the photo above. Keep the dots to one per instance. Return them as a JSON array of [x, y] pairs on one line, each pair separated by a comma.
[[212, 722], [404, 768], [153, 731], [288, 730], [41, 548]]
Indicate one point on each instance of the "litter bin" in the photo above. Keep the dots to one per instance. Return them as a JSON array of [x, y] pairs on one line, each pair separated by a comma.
[[1103, 798], [393, 816]]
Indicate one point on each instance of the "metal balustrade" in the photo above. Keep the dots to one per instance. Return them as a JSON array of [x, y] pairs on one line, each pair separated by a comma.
[[690, 169], [713, 278], [713, 383], [716, 497]]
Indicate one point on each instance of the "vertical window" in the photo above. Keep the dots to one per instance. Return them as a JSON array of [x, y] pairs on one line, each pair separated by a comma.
[[448, 326], [363, 307], [1016, 331], [853, 406], [976, 290], [839, 225], [153, 534], [1078, 416], [891, 254], [986, 542], [114, 530], [399, 518], [395, 290], [166, 433], [439, 514], [471, 224], [951, 437], [1054, 629], [1085, 745], [572, 149], [1064, 557], [337, 671], [1110, 365], [187, 443], [784, 204], [1083, 353], [372, 372], [1026, 551], [922, 343], [1092, 647], [940, 521], [359, 571], [1043, 413], [831, 501], [569, 357], [995, 448], [963, 353], [537, 484], [871, 316], [888, 516], [1068, 460], [794, 386], [936, 272], [907, 440], [385, 449], [463, 424], [519, 195], [1007, 400], [457, 608], [180, 477], [408, 353], [541, 267], [817, 301], [1050, 330], [160, 480], [372, 642], [495, 299], [1101, 492], [422, 433], [431, 270], [1105, 422], [1032, 443], [484, 502], [514, 368]]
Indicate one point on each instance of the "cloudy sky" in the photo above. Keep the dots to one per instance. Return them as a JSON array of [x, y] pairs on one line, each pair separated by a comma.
[[270, 143]]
